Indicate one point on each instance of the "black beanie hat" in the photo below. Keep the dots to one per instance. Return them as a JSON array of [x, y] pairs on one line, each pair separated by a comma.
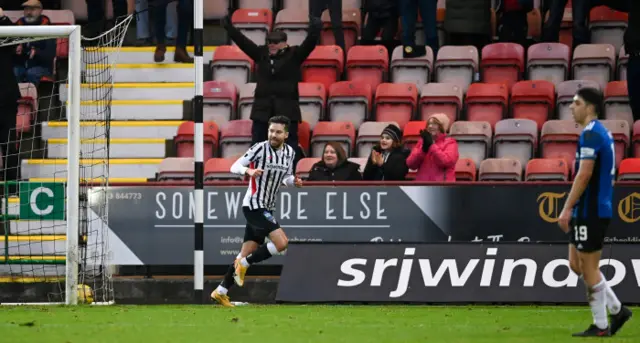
[[393, 132]]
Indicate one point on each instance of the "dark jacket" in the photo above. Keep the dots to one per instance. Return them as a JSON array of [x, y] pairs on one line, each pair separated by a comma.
[[45, 49], [345, 171], [394, 169], [381, 8], [468, 16], [9, 91], [632, 35], [277, 87]]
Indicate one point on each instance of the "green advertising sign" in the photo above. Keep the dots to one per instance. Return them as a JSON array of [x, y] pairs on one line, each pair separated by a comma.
[[42, 200]]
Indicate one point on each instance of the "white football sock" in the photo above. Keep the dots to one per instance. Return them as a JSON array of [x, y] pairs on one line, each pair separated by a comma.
[[613, 303], [222, 290], [244, 262], [598, 302]]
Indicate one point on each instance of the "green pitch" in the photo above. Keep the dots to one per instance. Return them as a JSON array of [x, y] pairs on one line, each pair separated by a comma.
[[263, 324]]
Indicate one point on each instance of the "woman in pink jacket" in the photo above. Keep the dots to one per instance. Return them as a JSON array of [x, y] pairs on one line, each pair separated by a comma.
[[436, 154]]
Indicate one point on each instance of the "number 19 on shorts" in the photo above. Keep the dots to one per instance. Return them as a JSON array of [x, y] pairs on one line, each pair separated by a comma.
[[580, 233]]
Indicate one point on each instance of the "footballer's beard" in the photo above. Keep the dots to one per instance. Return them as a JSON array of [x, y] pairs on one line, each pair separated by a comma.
[[276, 143]]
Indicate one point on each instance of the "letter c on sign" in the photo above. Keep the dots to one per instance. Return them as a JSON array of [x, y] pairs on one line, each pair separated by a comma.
[[34, 197]]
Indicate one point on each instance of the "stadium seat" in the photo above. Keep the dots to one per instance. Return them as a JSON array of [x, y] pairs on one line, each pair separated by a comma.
[[623, 61], [635, 139], [349, 102], [500, 169], [245, 100], [368, 64], [396, 102], [607, 26], [341, 132], [313, 99], [215, 9], [304, 166], [629, 170], [474, 139], [304, 136], [27, 107], [219, 169], [411, 70], [324, 65], [440, 98], [547, 169], [411, 133], [465, 170], [256, 3], [616, 102], [502, 63], [235, 138], [559, 139], [361, 161], [621, 131], [535, 100], [369, 135], [457, 65], [516, 138], [219, 98], [294, 23], [184, 139], [351, 19], [595, 62], [566, 91], [254, 23], [487, 102], [176, 169], [231, 64], [548, 61]]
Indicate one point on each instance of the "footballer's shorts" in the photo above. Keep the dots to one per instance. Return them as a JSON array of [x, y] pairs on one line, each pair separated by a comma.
[[260, 223], [587, 234]]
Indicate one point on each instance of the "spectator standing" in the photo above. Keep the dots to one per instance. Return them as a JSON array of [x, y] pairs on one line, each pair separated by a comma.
[[632, 47], [316, 7], [409, 15], [9, 95], [142, 22], [96, 13], [512, 21], [278, 73], [388, 160], [334, 166], [185, 19], [34, 60], [580, 13], [468, 22], [435, 156], [382, 15]]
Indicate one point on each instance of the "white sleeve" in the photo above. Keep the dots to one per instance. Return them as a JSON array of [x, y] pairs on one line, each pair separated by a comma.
[[241, 166], [289, 179]]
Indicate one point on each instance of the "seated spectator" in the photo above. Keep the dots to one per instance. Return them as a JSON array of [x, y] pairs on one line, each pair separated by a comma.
[[435, 156], [388, 160], [34, 60], [334, 166]]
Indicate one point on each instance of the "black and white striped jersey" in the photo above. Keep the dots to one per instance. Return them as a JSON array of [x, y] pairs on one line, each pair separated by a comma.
[[277, 166]]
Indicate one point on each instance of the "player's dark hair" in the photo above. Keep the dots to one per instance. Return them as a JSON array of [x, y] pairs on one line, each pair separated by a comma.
[[592, 97], [281, 120]]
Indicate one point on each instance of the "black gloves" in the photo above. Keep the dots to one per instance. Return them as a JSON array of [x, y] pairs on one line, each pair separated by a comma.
[[427, 140]]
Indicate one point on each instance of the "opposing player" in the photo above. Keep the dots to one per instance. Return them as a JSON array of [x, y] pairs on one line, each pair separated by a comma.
[[588, 211], [269, 165]]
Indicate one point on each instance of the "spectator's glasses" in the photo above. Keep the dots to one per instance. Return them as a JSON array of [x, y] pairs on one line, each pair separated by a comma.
[[274, 41]]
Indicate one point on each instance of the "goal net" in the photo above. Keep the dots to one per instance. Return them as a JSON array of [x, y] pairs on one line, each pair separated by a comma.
[[55, 247]]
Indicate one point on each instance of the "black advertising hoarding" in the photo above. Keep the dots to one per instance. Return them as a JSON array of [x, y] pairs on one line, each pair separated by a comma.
[[448, 273], [154, 225]]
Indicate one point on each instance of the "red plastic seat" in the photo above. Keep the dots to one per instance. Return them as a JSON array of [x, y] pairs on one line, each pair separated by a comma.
[[440, 98], [474, 139], [623, 61], [396, 102], [24, 118], [547, 169], [411, 133], [502, 63], [256, 3], [219, 169], [184, 139], [304, 136], [607, 26], [313, 100], [629, 170], [635, 139], [254, 23], [548, 61], [487, 102], [465, 170], [415, 70], [351, 19], [516, 138], [235, 138], [246, 94], [457, 65], [231, 64], [220, 99], [535, 100], [176, 169], [368, 64], [566, 91], [559, 139], [595, 62], [341, 132], [304, 166], [349, 102], [616, 102], [294, 23], [500, 169], [621, 131], [324, 65]]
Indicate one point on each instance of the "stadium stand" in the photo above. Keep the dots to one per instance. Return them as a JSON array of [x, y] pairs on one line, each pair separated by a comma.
[[457, 65], [465, 170], [294, 23], [559, 139], [254, 23], [548, 61], [411, 133], [304, 136], [411, 70], [369, 135], [565, 93], [232, 65], [220, 101], [474, 139], [396, 102], [547, 169], [185, 135], [621, 132], [246, 94], [304, 166], [219, 169], [235, 138], [313, 99], [623, 59], [341, 132], [487, 102], [367, 64], [500, 169], [607, 26], [516, 139], [441, 98], [616, 102], [535, 100], [350, 102], [502, 63], [635, 139], [176, 169], [595, 62], [324, 65], [629, 170], [351, 19]]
